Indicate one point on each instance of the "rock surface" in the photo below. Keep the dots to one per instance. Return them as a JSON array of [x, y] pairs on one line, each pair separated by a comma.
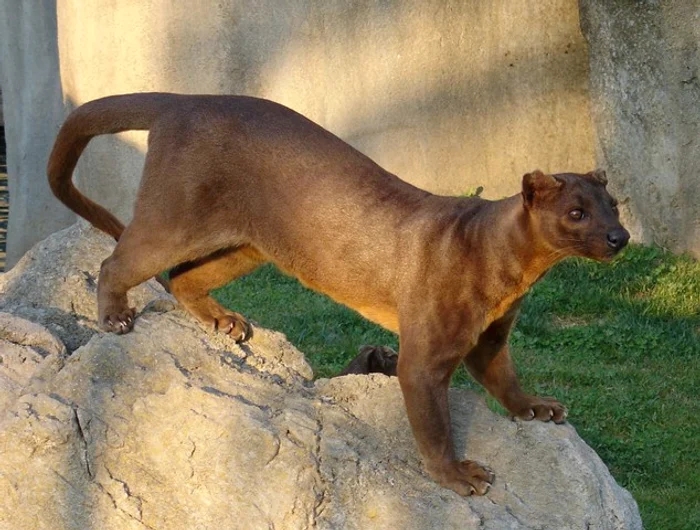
[[171, 427]]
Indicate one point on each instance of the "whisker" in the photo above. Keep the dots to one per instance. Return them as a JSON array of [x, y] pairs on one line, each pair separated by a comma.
[[560, 253]]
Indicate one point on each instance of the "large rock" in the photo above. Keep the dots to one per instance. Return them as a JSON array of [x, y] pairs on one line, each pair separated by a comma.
[[171, 427], [27, 351], [55, 284]]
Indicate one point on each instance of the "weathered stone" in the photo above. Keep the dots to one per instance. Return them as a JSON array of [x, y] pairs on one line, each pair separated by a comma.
[[645, 101], [547, 477], [171, 427], [55, 284], [28, 352]]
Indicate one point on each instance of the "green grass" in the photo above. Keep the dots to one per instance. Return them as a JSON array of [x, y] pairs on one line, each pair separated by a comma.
[[618, 343]]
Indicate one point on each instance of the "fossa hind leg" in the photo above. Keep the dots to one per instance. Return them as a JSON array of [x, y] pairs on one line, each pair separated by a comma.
[[138, 256], [162, 236], [191, 283]]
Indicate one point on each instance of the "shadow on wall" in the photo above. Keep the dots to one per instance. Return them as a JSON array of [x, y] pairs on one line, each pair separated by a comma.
[[645, 99], [420, 87], [448, 95]]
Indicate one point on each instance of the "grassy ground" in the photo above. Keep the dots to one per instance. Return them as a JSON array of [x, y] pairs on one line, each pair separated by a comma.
[[618, 343]]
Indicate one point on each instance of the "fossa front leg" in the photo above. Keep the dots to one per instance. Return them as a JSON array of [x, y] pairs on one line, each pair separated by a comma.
[[490, 363], [426, 364]]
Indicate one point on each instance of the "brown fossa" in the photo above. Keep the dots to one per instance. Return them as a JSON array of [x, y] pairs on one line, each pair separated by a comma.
[[232, 182]]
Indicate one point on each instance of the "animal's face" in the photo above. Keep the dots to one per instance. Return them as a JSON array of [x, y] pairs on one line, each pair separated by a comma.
[[574, 214]]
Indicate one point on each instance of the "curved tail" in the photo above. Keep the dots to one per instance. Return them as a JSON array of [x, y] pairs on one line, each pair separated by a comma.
[[102, 116]]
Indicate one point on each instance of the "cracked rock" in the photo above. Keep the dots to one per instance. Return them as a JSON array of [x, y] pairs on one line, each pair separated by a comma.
[[171, 427], [28, 352]]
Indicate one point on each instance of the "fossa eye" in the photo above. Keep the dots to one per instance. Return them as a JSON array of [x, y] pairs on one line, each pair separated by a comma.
[[577, 214]]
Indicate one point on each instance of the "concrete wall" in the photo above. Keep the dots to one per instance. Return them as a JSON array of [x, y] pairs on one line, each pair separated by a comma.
[[448, 94], [645, 66]]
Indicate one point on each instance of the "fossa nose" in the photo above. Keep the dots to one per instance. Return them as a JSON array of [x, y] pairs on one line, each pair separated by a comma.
[[618, 238]]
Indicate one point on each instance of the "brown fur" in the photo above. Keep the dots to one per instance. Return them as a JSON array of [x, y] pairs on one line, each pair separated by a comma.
[[233, 182], [373, 359]]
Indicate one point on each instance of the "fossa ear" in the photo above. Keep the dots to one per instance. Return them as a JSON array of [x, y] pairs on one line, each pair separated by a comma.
[[536, 184], [599, 176]]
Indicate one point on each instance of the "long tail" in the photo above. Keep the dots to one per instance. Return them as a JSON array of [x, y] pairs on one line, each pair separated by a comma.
[[102, 116]]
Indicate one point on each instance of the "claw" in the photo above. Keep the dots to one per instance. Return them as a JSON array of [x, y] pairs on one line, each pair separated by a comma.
[[230, 324], [247, 331]]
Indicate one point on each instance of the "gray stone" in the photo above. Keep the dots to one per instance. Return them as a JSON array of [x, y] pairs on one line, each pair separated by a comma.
[[171, 427], [28, 353], [546, 476], [645, 101], [55, 284], [33, 111]]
